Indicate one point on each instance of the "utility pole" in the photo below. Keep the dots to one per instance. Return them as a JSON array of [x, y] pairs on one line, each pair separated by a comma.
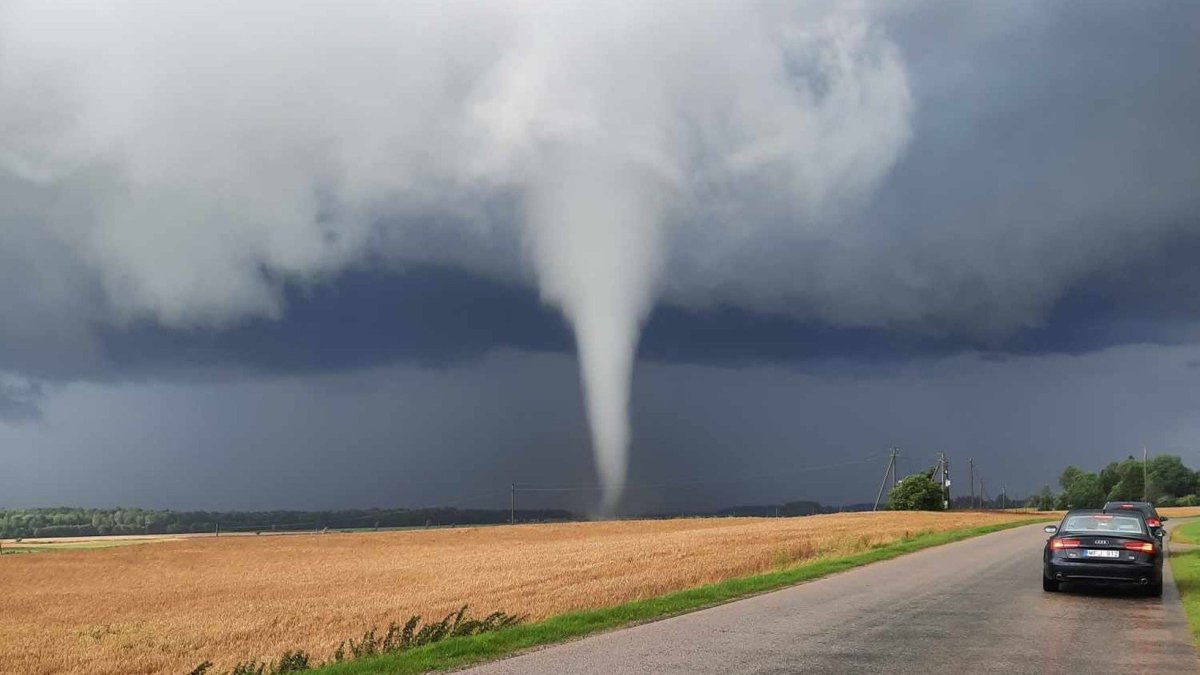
[[971, 469], [512, 506], [945, 482], [1145, 475], [944, 468], [891, 469], [982, 493]]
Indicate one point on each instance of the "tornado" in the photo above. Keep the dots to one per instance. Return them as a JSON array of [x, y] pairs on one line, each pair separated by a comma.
[[595, 223]]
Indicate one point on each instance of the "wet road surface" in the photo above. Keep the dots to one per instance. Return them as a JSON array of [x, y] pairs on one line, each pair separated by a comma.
[[976, 606]]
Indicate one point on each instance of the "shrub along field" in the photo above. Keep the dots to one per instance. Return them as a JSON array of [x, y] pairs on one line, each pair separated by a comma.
[[169, 606]]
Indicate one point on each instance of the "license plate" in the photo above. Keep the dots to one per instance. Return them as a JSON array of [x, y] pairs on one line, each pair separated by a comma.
[[1095, 553]]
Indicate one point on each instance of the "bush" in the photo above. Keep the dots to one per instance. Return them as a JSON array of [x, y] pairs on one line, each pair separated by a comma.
[[396, 639], [291, 662], [918, 492]]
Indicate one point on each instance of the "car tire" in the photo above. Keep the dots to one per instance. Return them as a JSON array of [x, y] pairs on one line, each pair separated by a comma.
[[1049, 585], [1154, 590]]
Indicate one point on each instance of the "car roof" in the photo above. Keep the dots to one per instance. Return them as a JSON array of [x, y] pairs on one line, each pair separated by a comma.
[[1145, 507], [1090, 512]]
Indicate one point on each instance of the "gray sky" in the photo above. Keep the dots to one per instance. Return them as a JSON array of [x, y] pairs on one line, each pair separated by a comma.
[[288, 266]]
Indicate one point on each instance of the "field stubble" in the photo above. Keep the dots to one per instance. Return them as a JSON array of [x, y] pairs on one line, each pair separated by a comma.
[[167, 607]]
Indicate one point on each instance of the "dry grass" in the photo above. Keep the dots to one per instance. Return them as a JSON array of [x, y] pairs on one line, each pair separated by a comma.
[[1168, 511], [48, 545], [166, 607]]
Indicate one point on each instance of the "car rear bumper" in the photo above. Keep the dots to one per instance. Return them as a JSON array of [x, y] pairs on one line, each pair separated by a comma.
[[1104, 573]]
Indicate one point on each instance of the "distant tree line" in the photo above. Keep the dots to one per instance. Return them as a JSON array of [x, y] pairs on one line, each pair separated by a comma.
[[1163, 479], [787, 509], [78, 522]]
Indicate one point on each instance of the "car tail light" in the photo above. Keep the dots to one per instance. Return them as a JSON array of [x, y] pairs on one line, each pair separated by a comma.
[[1140, 546], [1154, 522], [1127, 506], [1058, 544]]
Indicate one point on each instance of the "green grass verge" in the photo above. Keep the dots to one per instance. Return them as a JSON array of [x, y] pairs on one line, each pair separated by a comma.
[[1188, 533], [1186, 568], [458, 652]]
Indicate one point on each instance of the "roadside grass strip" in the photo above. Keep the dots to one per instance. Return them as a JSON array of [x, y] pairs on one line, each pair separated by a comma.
[[1188, 533], [459, 652], [1186, 568]]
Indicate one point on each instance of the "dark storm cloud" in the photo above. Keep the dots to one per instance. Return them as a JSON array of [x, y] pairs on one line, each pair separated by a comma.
[[19, 401], [1033, 121], [440, 317], [431, 316], [705, 437]]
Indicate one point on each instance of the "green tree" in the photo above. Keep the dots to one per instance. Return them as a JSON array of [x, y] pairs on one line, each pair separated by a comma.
[[1169, 477], [1045, 500], [1068, 476], [1084, 492], [1109, 477], [1130, 481], [918, 492], [1061, 502]]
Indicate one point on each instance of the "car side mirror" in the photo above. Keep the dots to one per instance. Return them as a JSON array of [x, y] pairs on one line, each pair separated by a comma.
[[1051, 529], [1163, 519]]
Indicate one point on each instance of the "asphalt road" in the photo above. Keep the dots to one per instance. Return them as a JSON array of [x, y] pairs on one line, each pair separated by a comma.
[[972, 607]]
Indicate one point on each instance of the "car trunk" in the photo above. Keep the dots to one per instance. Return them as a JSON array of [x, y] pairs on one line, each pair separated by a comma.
[[1106, 548]]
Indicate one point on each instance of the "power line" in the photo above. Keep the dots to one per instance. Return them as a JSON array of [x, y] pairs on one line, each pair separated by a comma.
[[718, 481]]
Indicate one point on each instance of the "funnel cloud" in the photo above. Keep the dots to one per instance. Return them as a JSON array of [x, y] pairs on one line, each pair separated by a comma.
[[595, 227], [640, 141]]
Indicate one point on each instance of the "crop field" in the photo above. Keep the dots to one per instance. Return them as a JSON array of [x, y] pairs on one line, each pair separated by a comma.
[[168, 606], [1180, 511]]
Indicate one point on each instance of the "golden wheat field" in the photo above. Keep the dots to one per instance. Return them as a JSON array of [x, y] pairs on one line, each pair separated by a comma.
[[167, 606]]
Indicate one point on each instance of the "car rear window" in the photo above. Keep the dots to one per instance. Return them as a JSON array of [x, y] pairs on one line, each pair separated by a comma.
[[1137, 506], [1103, 522]]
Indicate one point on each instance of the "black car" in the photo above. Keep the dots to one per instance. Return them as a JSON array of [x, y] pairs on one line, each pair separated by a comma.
[[1098, 546], [1152, 518]]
